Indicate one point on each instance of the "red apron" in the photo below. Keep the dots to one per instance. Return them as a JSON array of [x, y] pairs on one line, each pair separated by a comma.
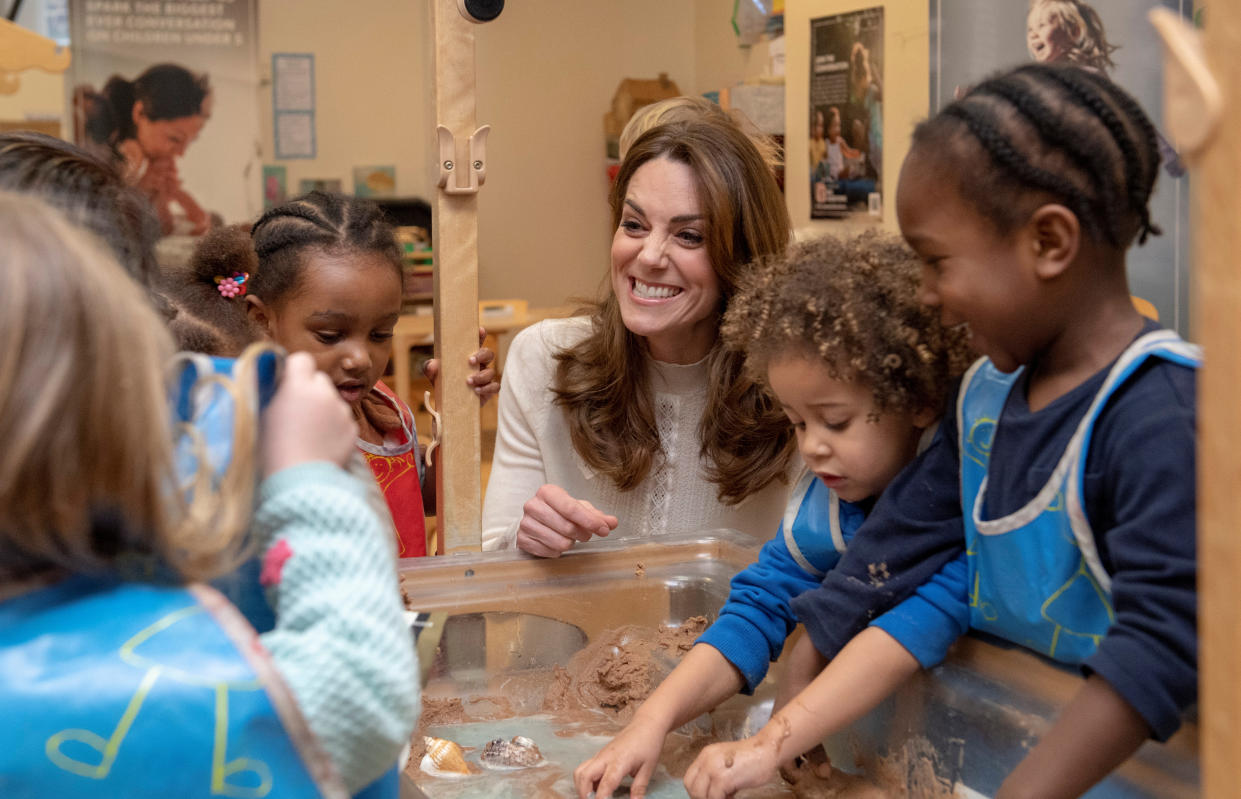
[[395, 465]]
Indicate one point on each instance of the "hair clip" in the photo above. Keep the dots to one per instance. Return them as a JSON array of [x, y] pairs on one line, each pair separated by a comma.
[[234, 286]]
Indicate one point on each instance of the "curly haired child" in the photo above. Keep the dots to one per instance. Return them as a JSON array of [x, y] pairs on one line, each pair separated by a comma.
[[1058, 501], [835, 330]]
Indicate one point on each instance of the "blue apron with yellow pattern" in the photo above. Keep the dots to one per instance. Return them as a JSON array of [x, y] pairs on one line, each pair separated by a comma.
[[1035, 575], [204, 410], [116, 689]]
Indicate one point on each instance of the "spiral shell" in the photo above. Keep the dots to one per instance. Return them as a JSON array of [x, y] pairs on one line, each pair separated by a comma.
[[520, 752], [444, 758]]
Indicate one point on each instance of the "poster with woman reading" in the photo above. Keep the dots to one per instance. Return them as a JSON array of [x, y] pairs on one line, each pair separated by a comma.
[[167, 91]]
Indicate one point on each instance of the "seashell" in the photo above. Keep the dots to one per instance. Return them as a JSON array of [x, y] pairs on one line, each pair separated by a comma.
[[520, 752], [444, 758]]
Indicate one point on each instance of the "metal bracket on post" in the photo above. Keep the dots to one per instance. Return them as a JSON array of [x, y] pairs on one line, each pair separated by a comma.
[[470, 175]]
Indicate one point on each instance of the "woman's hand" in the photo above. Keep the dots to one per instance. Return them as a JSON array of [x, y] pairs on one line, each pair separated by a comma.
[[483, 381], [720, 770], [306, 419], [552, 522], [633, 753]]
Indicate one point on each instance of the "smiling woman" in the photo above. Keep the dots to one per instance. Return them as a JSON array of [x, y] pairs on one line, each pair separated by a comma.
[[635, 418]]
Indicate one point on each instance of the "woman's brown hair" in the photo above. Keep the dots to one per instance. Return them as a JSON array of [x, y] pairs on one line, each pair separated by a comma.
[[602, 382]]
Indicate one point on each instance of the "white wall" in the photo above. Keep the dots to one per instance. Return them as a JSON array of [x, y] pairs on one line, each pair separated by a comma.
[[547, 72]]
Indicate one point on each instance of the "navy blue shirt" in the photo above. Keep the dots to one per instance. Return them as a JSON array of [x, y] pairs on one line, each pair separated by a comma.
[[1139, 493]]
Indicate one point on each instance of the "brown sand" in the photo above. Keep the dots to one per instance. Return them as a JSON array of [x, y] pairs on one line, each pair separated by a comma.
[[605, 682], [620, 668]]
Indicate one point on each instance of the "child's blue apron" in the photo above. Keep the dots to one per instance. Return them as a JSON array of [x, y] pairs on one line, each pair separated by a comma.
[[1035, 575], [129, 690], [817, 525]]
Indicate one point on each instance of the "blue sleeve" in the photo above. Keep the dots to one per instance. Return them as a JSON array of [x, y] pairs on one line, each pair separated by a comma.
[[757, 617], [1144, 520], [937, 614], [914, 529]]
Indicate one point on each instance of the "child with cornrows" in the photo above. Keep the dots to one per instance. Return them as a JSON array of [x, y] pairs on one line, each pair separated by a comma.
[[835, 330], [322, 274], [1064, 479]]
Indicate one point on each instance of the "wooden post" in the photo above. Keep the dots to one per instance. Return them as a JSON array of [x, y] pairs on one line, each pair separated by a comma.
[[1217, 312], [1202, 108], [455, 223]]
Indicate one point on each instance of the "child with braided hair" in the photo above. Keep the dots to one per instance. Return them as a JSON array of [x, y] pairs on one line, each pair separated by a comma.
[[835, 330], [322, 274], [1065, 480]]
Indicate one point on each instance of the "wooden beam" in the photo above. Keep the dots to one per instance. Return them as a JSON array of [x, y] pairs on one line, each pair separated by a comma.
[[455, 230], [1217, 312]]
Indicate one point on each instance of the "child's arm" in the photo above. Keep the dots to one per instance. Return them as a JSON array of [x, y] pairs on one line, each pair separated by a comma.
[[340, 640], [913, 531], [1097, 732], [869, 668], [702, 680], [732, 655], [921, 628]]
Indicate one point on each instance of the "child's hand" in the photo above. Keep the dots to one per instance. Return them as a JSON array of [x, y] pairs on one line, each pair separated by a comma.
[[482, 381], [635, 752], [552, 522], [306, 419], [720, 770]]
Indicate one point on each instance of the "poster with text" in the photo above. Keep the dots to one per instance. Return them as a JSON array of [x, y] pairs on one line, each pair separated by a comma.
[[169, 91], [971, 39], [846, 113]]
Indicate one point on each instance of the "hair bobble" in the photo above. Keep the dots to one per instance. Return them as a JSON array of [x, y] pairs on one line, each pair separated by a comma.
[[234, 286]]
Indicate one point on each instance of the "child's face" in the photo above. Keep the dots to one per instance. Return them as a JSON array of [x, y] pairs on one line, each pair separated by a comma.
[[833, 128], [970, 272], [851, 454], [342, 312], [662, 276], [1046, 38]]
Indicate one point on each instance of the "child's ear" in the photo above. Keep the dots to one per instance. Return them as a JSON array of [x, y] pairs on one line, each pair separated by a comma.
[[260, 314], [924, 418], [1055, 237]]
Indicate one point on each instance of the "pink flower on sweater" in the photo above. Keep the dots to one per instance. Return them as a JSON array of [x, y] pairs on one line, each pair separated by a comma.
[[273, 562]]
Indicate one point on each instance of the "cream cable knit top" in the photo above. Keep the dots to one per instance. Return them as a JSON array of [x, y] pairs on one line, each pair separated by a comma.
[[533, 447]]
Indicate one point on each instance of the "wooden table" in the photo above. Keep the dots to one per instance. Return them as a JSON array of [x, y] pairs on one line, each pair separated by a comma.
[[499, 317]]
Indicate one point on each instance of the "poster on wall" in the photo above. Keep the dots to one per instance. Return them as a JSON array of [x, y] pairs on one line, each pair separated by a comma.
[[846, 113], [169, 91], [971, 39]]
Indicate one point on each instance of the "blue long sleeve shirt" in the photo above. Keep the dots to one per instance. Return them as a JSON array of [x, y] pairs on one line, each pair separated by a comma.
[[758, 616]]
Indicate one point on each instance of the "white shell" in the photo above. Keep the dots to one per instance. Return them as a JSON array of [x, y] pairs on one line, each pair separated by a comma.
[[520, 752]]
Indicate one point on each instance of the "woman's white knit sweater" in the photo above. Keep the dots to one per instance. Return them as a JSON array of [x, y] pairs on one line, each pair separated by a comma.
[[533, 447]]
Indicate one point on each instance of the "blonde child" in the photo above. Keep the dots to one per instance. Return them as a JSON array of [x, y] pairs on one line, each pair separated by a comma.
[[860, 368], [155, 674], [1070, 31], [1064, 481], [322, 274]]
